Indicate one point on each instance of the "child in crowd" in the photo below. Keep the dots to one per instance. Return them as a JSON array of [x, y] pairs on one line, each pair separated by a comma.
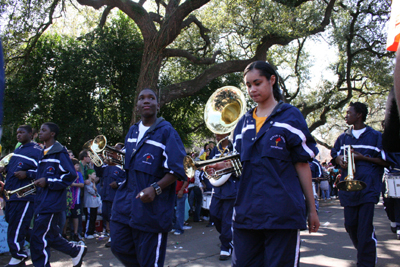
[[74, 202], [91, 204]]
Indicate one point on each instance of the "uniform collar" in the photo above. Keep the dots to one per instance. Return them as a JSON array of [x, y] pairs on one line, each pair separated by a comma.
[[27, 145], [349, 131], [278, 108], [57, 147]]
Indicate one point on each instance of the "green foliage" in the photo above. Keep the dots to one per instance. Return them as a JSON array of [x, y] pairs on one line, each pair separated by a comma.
[[86, 86], [187, 114]]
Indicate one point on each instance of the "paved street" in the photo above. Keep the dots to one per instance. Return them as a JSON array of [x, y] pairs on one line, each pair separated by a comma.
[[198, 247]]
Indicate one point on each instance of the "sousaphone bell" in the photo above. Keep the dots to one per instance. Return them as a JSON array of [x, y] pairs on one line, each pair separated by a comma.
[[222, 112]]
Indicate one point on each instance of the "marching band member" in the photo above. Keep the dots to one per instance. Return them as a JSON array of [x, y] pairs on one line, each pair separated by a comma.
[[275, 146], [56, 173], [369, 162], [144, 205], [316, 174], [391, 145], [21, 170], [223, 198], [113, 176]]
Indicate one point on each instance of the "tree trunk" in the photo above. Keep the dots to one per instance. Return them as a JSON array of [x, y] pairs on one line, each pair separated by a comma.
[[149, 73]]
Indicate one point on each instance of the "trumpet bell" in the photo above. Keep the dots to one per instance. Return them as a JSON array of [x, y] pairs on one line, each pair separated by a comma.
[[224, 109], [219, 177], [351, 185]]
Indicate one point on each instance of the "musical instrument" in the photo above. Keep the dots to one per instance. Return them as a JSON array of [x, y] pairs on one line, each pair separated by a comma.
[[99, 146], [349, 184], [222, 112], [392, 181], [6, 160], [92, 155], [21, 192]]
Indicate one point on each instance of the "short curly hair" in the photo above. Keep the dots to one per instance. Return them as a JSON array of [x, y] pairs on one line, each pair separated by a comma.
[[360, 108]]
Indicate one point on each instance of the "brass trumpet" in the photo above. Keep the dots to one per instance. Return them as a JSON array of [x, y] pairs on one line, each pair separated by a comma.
[[21, 192], [349, 184], [234, 166]]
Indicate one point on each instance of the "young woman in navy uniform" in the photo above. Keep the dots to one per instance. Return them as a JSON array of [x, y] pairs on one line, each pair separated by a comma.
[[143, 207], [275, 194]]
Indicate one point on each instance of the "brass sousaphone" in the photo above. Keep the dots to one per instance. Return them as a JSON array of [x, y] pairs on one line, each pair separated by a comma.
[[222, 112], [99, 145]]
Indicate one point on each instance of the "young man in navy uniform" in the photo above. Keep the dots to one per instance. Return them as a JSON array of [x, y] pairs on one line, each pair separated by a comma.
[[56, 173], [223, 199], [369, 162], [21, 170], [153, 162]]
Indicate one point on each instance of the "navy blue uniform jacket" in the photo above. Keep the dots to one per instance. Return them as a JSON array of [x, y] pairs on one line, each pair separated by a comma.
[[370, 145], [316, 169], [57, 168], [229, 189], [111, 174], [159, 152], [270, 195], [25, 158]]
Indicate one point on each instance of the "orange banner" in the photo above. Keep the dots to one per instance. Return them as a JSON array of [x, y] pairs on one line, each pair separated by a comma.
[[394, 27]]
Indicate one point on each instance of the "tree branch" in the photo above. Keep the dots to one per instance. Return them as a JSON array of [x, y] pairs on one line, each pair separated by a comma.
[[155, 17], [203, 30], [133, 10], [104, 16], [186, 54], [322, 143], [33, 40], [188, 88]]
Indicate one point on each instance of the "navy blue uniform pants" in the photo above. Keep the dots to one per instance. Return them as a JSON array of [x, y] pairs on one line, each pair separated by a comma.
[[137, 248], [106, 210], [91, 216], [221, 211], [268, 248], [18, 215], [358, 221], [46, 234], [196, 200]]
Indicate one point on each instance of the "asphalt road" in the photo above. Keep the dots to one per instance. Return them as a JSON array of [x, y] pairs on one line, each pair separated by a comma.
[[199, 246]]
